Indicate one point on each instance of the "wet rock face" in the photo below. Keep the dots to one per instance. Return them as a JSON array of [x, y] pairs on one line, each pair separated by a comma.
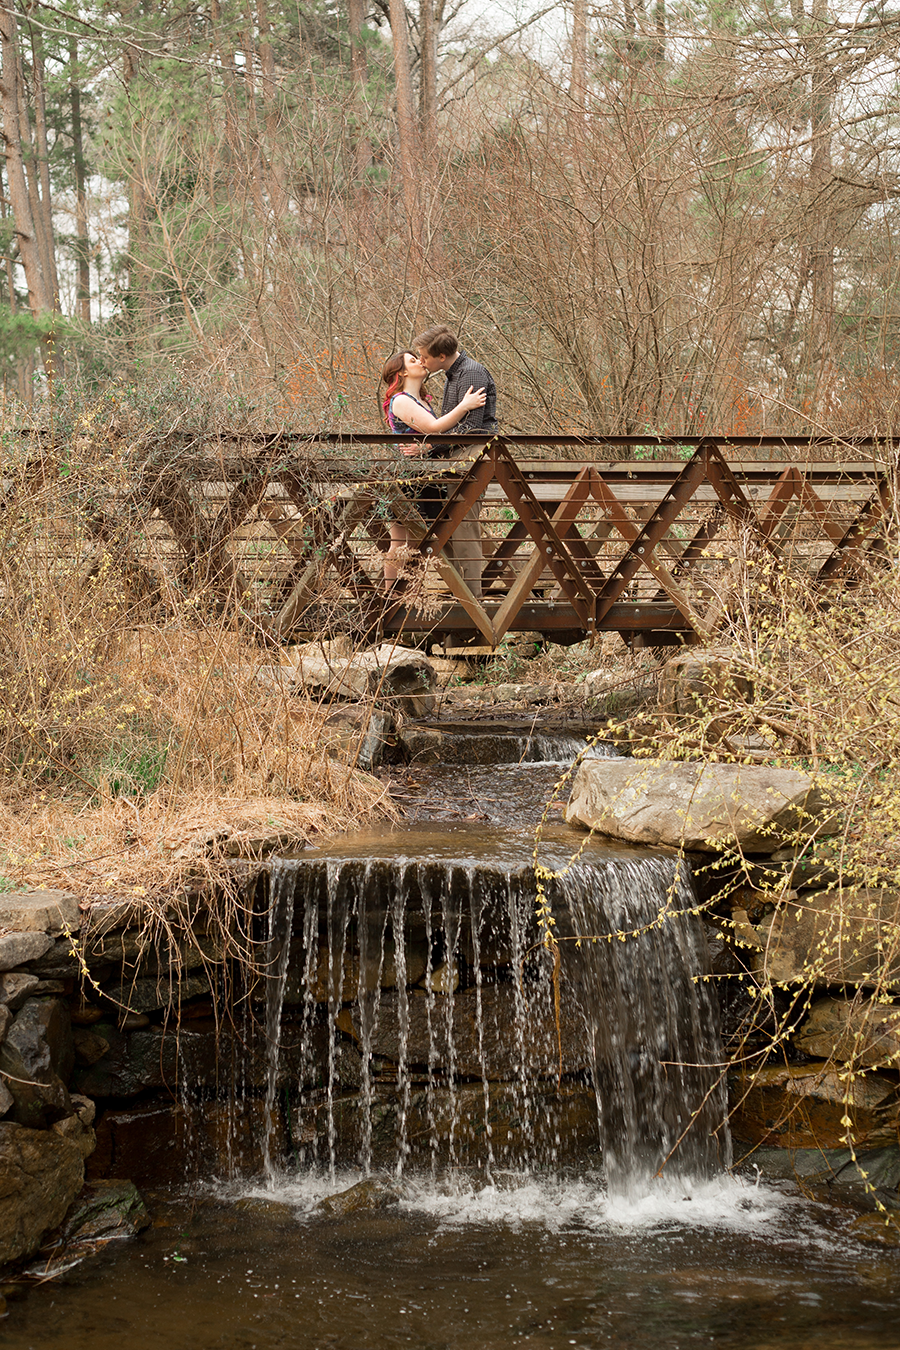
[[510, 1037], [369, 1194], [866, 1032], [37, 1057], [834, 937], [516, 1125], [162, 1143], [805, 1106], [40, 1175], [199, 1054], [106, 1209]]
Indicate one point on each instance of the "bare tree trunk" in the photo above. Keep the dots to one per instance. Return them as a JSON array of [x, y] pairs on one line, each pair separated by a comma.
[[821, 244], [410, 172], [359, 73], [137, 226], [659, 15], [428, 87], [359, 66], [578, 82], [24, 376], [82, 242], [817, 228], [43, 165], [278, 195], [39, 298]]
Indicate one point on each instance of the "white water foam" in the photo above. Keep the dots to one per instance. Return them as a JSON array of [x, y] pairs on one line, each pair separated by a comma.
[[513, 1200]]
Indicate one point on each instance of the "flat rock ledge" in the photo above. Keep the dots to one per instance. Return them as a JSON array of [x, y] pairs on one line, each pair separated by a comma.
[[698, 806]]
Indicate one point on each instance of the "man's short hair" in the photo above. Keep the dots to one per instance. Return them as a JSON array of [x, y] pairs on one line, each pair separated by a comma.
[[437, 341]]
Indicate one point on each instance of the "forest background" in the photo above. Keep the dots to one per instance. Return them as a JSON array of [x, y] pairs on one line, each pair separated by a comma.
[[642, 217], [217, 221]]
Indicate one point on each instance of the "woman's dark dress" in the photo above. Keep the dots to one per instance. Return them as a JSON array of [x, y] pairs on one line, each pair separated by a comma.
[[428, 497]]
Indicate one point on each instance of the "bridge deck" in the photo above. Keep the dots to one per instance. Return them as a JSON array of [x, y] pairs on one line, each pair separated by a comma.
[[294, 529]]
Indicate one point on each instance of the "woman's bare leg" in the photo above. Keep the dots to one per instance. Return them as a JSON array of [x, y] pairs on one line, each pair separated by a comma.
[[399, 540]]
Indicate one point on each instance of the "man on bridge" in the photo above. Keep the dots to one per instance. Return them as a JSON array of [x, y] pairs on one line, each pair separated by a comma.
[[438, 349]]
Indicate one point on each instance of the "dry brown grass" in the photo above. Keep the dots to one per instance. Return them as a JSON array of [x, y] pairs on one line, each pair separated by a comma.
[[141, 741], [148, 847], [180, 758]]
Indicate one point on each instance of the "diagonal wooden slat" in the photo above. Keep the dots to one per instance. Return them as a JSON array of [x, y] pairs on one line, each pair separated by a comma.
[[812, 502], [565, 514], [695, 551], [647, 538], [543, 532], [355, 511], [426, 540], [849, 550], [784, 490], [462, 498], [505, 552], [630, 532]]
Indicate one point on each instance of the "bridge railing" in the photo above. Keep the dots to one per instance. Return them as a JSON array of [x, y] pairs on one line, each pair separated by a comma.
[[644, 547], [574, 539]]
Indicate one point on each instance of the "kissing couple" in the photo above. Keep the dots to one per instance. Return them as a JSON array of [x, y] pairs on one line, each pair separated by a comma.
[[468, 406]]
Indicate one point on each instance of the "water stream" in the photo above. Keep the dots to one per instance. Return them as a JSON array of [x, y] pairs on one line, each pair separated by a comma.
[[619, 1005], [549, 1135]]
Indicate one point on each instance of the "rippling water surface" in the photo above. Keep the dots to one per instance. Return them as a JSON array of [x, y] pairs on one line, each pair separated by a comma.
[[520, 1263]]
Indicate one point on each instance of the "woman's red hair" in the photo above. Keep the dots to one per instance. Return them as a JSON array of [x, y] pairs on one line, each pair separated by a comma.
[[393, 375]]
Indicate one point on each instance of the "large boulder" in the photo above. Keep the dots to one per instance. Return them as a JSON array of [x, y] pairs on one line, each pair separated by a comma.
[[698, 806], [866, 1032], [41, 1172], [401, 676], [849, 936], [698, 682]]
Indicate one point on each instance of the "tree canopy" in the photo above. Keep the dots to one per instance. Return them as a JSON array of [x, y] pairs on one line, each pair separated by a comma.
[[665, 219]]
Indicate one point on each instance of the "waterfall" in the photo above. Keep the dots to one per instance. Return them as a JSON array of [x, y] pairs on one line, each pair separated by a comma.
[[441, 1034], [650, 1017], [281, 916]]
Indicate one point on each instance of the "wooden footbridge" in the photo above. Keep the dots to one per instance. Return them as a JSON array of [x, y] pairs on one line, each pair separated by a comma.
[[568, 546]]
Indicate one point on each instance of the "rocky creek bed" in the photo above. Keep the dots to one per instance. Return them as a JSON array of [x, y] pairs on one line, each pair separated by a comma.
[[135, 1056]]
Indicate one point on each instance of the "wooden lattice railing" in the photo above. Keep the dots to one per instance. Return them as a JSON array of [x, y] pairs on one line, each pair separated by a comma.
[[292, 530]]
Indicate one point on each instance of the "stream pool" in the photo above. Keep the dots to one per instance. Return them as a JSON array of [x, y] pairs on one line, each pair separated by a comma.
[[733, 1264]]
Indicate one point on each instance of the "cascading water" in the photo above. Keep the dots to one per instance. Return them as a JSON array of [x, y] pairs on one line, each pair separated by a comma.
[[464, 1047], [281, 916], [412, 1023], [650, 1017]]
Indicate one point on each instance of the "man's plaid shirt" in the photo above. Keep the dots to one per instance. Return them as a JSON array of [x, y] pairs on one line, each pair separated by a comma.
[[462, 373]]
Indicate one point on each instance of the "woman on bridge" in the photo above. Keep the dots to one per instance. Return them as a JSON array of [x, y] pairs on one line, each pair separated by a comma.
[[408, 413]]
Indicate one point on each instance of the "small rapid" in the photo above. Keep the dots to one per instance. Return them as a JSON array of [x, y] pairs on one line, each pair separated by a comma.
[[458, 1034]]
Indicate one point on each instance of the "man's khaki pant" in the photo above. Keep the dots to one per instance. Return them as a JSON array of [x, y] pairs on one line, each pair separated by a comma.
[[466, 550]]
